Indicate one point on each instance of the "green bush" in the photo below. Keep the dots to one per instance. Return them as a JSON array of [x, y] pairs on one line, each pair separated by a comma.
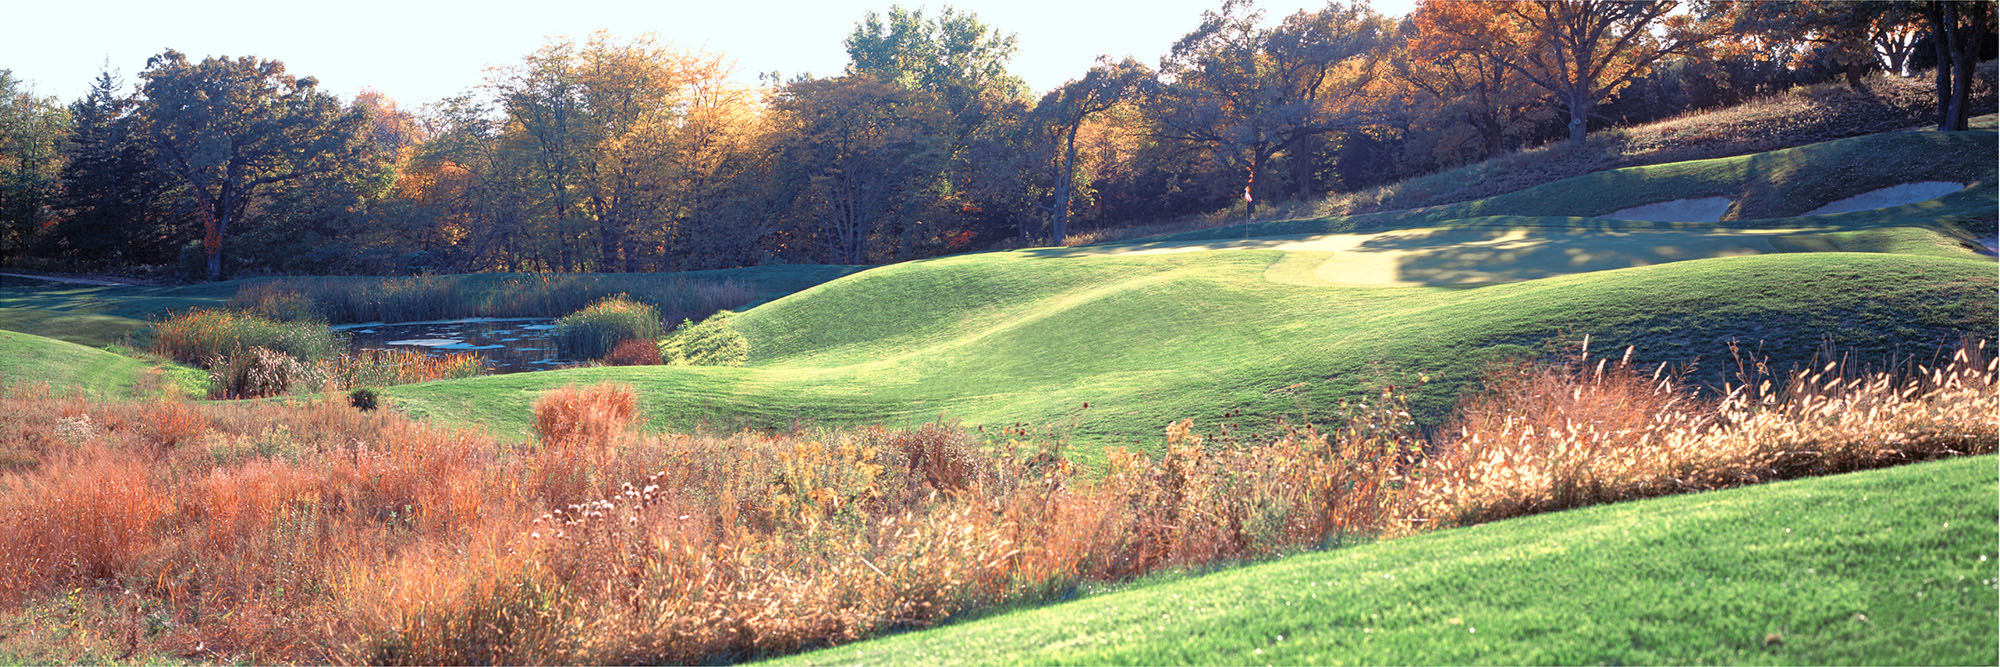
[[594, 331], [364, 399], [710, 342]]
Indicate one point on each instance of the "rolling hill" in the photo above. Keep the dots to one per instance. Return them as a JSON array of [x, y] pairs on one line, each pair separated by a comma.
[[1303, 314]]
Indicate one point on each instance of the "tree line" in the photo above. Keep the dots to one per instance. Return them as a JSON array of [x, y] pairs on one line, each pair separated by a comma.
[[622, 154]]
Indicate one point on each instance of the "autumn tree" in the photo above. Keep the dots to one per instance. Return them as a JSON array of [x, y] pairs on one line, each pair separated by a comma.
[[546, 142], [233, 129], [1063, 112], [862, 155], [1463, 79], [389, 127], [693, 148], [1579, 51], [959, 63], [1248, 92]]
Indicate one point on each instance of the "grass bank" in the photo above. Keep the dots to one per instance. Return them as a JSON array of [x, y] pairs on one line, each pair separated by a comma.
[[1886, 567], [72, 369]]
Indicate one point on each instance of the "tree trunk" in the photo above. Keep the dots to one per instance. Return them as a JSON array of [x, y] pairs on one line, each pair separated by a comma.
[[1940, 29], [1302, 172], [1965, 50], [1059, 217], [1854, 72], [1490, 132], [1579, 113]]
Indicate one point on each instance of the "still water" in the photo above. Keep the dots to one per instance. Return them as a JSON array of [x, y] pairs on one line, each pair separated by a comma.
[[509, 345]]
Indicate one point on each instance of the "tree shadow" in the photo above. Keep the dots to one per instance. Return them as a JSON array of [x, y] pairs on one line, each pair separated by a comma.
[[1474, 258]]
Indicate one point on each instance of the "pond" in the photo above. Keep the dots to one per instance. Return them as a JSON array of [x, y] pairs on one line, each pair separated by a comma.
[[510, 345]]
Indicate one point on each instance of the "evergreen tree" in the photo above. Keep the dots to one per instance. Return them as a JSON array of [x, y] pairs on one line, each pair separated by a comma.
[[118, 209]]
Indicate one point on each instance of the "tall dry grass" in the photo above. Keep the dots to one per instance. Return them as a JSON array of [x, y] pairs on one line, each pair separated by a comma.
[[596, 330], [418, 298], [1555, 436], [252, 356], [271, 533], [198, 335]]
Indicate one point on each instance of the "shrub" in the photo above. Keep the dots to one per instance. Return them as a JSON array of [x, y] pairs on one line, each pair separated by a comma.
[[711, 342], [594, 331], [256, 373], [363, 399], [634, 352]]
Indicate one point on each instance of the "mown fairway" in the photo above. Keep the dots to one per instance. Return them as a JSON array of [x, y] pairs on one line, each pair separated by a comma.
[[1886, 567]]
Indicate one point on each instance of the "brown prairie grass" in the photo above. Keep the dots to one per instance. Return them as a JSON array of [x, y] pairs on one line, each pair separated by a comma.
[[1554, 436], [633, 352], [318, 533]]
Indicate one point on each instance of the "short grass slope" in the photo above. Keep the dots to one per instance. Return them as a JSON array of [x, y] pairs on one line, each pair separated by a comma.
[[1893, 566], [69, 368], [1145, 340]]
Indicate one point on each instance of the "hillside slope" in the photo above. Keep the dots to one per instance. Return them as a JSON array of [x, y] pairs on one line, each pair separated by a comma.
[[1286, 327], [1884, 567], [1765, 189], [999, 338], [69, 368]]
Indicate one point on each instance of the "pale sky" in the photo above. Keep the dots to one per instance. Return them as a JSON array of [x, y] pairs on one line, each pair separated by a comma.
[[419, 51]]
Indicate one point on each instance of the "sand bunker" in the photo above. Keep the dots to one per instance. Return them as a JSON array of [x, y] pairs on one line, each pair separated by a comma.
[[1894, 195], [1700, 209]]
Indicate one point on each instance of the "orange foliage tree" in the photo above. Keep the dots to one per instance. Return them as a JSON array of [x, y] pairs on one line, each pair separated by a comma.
[[1579, 51]]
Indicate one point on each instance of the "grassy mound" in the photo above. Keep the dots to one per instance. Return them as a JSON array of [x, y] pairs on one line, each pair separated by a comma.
[[70, 368], [1889, 566], [1145, 340]]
